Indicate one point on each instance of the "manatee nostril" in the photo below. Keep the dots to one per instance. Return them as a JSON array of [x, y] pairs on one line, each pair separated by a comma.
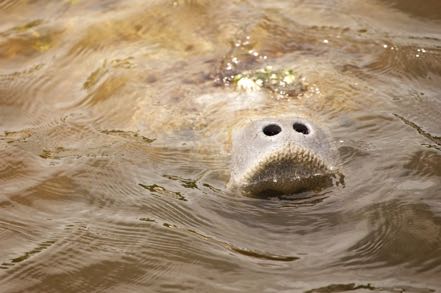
[[301, 128], [272, 129]]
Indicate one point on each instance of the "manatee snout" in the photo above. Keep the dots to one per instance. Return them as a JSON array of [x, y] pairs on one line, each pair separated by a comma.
[[272, 157]]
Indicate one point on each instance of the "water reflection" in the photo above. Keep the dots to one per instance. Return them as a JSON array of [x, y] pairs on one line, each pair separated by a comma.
[[115, 122]]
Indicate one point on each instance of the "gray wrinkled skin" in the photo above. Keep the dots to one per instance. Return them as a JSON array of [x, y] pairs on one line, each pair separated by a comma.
[[285, 162]]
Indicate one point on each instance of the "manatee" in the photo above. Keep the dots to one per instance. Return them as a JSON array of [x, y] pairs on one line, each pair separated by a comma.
[[272, 152], [273, 156]]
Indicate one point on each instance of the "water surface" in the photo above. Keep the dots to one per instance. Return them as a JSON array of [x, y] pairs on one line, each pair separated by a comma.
[[114, 135]]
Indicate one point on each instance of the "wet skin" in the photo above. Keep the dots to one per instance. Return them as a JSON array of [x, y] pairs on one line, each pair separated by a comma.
[[277, 156]]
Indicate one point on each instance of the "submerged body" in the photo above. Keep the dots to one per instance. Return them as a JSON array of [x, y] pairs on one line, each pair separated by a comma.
[[116, 138]]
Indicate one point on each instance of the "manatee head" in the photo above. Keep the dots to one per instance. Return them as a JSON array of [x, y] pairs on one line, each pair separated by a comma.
[[278, 156]]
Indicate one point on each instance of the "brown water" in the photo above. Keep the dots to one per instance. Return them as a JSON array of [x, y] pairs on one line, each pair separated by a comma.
[[114, 136]]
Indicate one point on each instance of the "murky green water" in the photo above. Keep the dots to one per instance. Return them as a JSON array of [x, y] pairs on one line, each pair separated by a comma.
[[115, 118]]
